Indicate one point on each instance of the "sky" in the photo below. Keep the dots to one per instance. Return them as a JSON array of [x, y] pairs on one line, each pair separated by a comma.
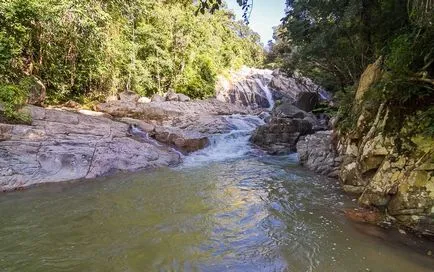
[[265, 15]]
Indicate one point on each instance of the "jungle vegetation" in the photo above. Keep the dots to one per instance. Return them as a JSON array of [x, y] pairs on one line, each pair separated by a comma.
[[86, 50]]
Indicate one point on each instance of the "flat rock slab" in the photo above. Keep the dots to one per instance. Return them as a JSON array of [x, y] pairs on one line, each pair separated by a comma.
[[62, 145]]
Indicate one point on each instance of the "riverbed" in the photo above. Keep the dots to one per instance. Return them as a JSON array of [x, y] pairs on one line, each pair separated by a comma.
[[227, 208]]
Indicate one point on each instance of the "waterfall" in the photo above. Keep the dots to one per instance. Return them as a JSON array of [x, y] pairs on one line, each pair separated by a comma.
[[267, 92], [234, 144]]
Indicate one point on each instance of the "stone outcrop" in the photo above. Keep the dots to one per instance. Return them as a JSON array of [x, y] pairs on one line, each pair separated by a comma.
[[247, 87], [284, 129], [164, 111], [124, 134], [401, 183], [257, 87], [61, 146], [317, 152], [280, 135], [371, 75], [394, 173], [185, 126]]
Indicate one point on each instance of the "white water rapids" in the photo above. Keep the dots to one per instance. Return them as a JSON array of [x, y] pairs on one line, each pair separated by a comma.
[[227, 146]]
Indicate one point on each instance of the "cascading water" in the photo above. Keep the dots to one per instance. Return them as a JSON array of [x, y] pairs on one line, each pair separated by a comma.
[[227, 146], [267, 92], [144, 136]]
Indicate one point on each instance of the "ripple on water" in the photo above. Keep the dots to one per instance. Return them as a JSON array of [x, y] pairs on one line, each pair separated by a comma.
[[245, 214]]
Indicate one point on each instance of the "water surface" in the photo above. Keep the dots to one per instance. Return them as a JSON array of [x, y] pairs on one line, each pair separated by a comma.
[[227, 208]]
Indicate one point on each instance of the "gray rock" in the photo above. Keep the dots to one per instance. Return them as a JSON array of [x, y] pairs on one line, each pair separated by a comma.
[[280, 135], [317, 153], [111, 98], [289, 111], [61, 146], [157, 98], [37, 92], [245, 87], [144, 100], [129, 96], [172, 96], [307, 101], [183, 98]]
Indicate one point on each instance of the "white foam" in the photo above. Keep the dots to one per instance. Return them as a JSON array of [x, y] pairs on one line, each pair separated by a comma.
[[267, 92], [232, 145]]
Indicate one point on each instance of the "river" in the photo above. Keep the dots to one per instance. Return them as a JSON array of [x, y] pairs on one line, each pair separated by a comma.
[[227, 208]]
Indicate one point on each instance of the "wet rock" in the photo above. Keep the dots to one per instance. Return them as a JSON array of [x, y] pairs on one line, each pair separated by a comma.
[[186, 141], [245, 87], [287, 110], [318, 153], [280, 135]]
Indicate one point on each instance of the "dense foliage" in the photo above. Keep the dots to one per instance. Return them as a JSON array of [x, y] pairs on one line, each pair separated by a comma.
[[88, 49], [333, 41]]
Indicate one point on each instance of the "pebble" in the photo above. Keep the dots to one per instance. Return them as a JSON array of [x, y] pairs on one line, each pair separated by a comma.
[[429, 253]]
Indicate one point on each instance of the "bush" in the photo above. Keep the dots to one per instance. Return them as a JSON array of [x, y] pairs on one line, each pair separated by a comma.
[[12, 98]]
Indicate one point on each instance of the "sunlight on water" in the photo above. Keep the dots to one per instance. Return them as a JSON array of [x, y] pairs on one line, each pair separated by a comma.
[[228, 208]]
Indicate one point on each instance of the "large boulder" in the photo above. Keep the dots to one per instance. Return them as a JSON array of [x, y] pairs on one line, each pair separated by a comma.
[[280, 135], [183, 98], [287, 110], [172, 96], [307, 101], [184, 140], [144, 100], [318, 153]]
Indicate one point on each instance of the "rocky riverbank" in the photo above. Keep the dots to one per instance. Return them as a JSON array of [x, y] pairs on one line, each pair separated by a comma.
[[68, 144], [127, 133], [389, 173]]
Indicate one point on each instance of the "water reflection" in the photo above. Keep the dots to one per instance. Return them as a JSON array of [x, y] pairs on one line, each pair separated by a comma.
[[249, 214]]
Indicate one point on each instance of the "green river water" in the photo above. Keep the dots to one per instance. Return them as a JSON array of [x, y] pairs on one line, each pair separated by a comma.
[[252, 213], [228, 207]]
